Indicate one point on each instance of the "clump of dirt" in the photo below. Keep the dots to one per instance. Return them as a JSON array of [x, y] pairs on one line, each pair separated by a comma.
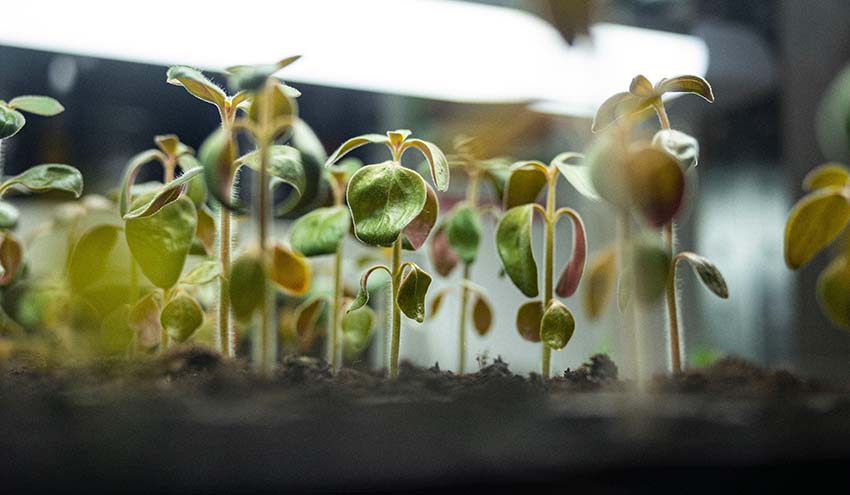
[[600, 369]]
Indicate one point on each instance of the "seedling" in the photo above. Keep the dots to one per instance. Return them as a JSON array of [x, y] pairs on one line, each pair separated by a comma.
[[457, 239], [319, 233], [393, 206], [652, 179], [271, 113], [548, 320]]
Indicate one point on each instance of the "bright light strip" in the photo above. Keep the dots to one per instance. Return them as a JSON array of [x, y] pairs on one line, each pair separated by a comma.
[[439, 49]]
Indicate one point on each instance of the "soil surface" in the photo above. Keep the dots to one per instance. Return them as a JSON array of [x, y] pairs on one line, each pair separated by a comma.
[[190, 421]]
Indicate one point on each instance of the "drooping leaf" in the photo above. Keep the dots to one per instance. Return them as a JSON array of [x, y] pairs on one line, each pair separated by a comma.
[[144, 321], [202, 273], [363, 293], [708, 274], [321, 231], [833, 291], [437, 301], [683, 147], [8, 215], [205, 230], [181, 316], [616, 107], [412, 292], [436, 161], [443, 258], [247, 285], [290, 271], [814, 222], [197, 84], [578, 175], [524, 184], [571, 276], [556, 326], [196, 189], [48, 177], [356, 327], [528, 319], [650, 267], [161, 242], [826, 175], [217, 154], [11, 121], [283, 166], [39, 105], [11, 258], [168, 194], [601, 275], [513, 242], [89, 258], [353, 143], [482, 315], [656, 185], [640, 86], [128, 179], [686, 84], [384, 199], [463, 231], [416, 232]]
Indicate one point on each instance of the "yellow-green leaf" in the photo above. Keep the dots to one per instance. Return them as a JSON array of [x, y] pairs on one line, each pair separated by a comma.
[[814, 222], [513, 242], [617, 106], [321, 231], [284, 167], [290, 271], [437, 301], [11, 258], [656, 185], [650, 268], [412, 292], [833, 291], [641, 87], [128, 179], [436, 161], [353, 143], [48, 177], [578, 175], [38, 105], [826, 175], [197, 84], [524, 183], [11, 121], [556, 326], [202, 273], [217, 155], [247, 285], [167, 194], [356, 328], [528, 319], [181, 316]]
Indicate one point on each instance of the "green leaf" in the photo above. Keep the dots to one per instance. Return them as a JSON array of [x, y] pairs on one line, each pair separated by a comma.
[[39, 105], [217, 155], [196, 189], [482, 315], [11, 258], [416, 232], [826, 175], [181, 316], [114, 334], [129, 177], [513, 242], [356, 327], [463, 231], [144, 321], [290, 271], [578, 175], [283, 166], [202, 273], [8, 215], [436, 161], [650, 267], [247, 286], [384, 199], [353, 143], [168, 194], [814, 222], [686, 84], [683, 147], [443, 258], [11, 121], [412, 292], [708, 273], [321, 231], [363, 293], [88, 262], [160, 242], [525, 183], [599, 282], [528, 320], [656, 185], [197, 84], [48, 177], [557, 326], [833, 291]]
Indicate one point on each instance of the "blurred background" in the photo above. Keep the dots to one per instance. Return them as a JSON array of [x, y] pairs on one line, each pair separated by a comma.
[[524, 76]]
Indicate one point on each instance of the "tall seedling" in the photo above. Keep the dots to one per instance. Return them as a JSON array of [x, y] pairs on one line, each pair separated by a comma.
[[393, 206], [548, 320]]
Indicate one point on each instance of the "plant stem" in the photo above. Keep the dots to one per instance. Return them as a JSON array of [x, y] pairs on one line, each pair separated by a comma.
[[261, 210], [396, 324], [548, 262], [662, 114], [672, 314], [227, 344], [335, 356], [464, 302], [163, 339]]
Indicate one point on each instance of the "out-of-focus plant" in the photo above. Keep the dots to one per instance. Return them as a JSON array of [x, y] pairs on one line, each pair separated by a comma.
[[456, 240], [270, 114], [652, 179], [547, 320], [393, 206]]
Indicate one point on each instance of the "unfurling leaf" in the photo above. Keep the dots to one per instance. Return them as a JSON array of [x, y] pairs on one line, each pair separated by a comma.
[[826, 175], [571, 276], [482, 315], [144, 321], [578, 175], [356, 327], [8, 215], [290, 271], [353, 143], [11, 258], [197, 84], [48, 177], [463, 231], [38, 105], [181, 316], [412, 292], [524, 184], [681, 146], [656, 184], [416, 232], [708, 274], [833, 291], [169, 193], [650, 268], [247, 285], [202, 273], [814, 222], [437, 301], [11, 121], [384, 199], [89, 258], [436, 161], [557, 326], [528, 319], [513, 242], [601, 275], [686, 84], [160, 242], [443, 258], [321, 231]]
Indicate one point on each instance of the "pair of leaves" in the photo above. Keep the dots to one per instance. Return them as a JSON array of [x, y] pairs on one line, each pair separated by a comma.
[[554, 326], [48, 177], [12, 120], [412, 291]]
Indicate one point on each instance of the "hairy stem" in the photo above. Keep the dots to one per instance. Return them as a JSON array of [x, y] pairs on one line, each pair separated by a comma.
[[261, 213], [672, 313], [226, 336], [335, 357], [464, 303], [396, 323]]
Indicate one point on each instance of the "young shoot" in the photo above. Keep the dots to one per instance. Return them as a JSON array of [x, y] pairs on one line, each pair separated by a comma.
[[393, 206]]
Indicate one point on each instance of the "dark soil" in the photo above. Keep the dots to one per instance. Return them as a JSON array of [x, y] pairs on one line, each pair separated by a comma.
[[191, 421]]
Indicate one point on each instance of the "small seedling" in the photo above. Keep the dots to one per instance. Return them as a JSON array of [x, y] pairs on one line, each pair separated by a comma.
[[457, 239], [652, 179], [548, 320], [393, 206]]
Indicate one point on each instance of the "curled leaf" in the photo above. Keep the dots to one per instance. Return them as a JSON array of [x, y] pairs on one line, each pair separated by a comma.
[[524, 183], [412, 292], [814, 222], [181, 316], [601, 275], [513, 242], [48, 177], [443, 258], [437, 161], [556, 326], [571, 276], [11, 121], [321, 231], [284, 167], [416, 232], [708, 273], [309, 316], [353, 143], [482, 315], [363, 294], [247, 285], [528, 319], [129, 177], [169, 193], [197, 84], [686, 84], [38, 105], [640, 86], [463, 232]]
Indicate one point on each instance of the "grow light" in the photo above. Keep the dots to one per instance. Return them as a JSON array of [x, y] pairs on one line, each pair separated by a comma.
[[438, 49]]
